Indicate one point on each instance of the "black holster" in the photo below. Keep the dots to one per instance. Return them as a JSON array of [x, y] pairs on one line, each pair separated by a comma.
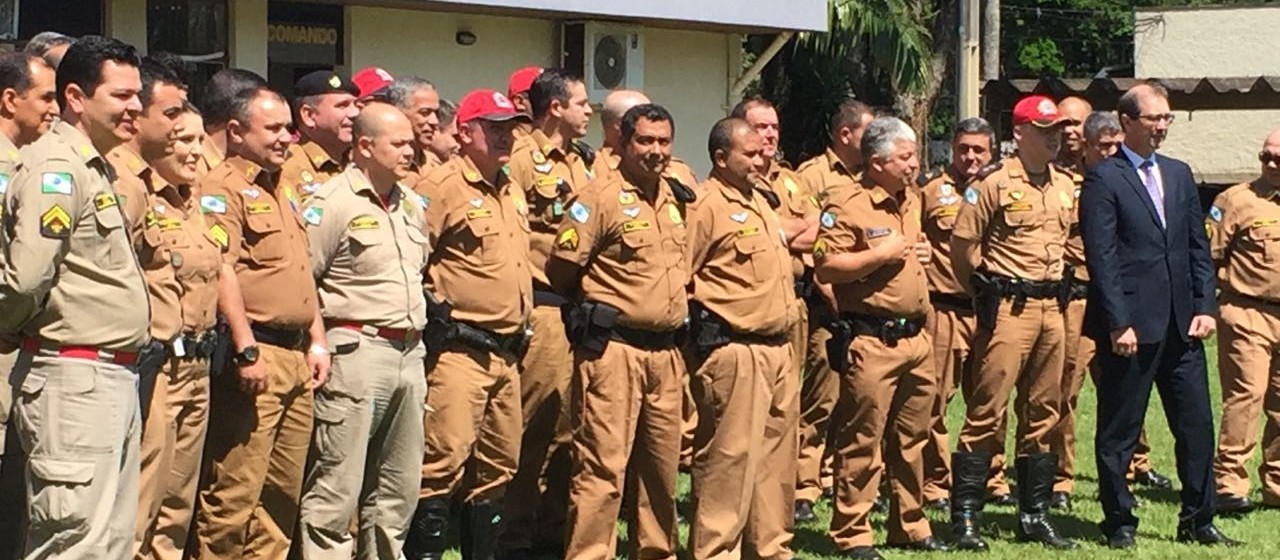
[[1067, 287], [589, 326], [440, 328], [151, 358], [220, 353], [838, 345], [707, 330], [986, 305]]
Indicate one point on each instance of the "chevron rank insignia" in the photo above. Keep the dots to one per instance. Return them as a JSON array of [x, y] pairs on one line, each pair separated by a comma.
[[55, 223]]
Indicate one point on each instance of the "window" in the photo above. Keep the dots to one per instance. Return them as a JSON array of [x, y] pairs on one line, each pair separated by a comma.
[[196, 30]]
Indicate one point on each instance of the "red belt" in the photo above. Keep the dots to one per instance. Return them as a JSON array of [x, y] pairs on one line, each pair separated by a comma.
[[383, 332], [118, 357]]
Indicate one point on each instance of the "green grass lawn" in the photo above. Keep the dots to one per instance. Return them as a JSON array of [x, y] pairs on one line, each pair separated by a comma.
[[1159, 512]]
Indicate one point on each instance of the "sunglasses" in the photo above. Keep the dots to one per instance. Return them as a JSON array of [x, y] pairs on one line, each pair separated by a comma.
[[1267, 158]]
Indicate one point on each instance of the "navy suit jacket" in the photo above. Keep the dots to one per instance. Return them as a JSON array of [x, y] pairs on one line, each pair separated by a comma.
[[1143, 275]]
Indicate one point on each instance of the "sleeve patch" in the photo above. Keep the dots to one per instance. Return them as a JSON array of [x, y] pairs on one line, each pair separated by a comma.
[[313, 215], [568, 240], [828, 220], [580, 212], [1215, 213], [55, 223], [215, 204], [56, 183], [971, 195], [219, 236], [819, 248]]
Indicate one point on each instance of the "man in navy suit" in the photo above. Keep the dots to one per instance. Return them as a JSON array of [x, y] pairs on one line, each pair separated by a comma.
[[1151, 303]]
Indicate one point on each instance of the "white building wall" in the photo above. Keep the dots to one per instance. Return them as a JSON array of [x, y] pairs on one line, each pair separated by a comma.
[[1196, 43]]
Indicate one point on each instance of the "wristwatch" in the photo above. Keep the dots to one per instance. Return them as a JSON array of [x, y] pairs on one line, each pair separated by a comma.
[[246, 357]]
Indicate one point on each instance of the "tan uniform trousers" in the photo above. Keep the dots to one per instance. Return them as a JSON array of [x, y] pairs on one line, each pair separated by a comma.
[[256, 454], [743, 491], [886, 398], [1025, 351], [472, 425], [1248, 341], [1080, 352], [172, 447], [819, 391], [536, 500], [952, 332], [997, 485], [79, 425], [626, 408], [7, 360], [366, 453]]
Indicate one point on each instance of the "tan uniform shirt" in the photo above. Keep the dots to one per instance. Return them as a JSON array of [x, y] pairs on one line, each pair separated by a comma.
[[825, 171], [1244, 239], [1022, 228], [632, 251], [368, 258], [210, 156], [307, 167], [180, 260], [8, 164], [940, 200], [422, 166], [859, 219], [256, 220], [1074, 252], [69, 256], [798, 199], [738, 259], [549, 175], [479, 237], [607, 162]]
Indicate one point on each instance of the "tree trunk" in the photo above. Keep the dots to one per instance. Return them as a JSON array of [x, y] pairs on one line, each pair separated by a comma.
[[917, 106]]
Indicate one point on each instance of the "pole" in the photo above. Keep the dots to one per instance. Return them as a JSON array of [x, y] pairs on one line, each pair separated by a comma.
[[968, 85]]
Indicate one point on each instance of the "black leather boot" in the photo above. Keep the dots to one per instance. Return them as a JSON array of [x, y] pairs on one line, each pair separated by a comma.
[[427, 530], [968, 493], [1035, 492], [480, 522]]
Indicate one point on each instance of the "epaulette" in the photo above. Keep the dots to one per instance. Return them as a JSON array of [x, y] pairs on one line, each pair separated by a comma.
[[680, 191], [584, 151], [784, 164], [988, 170]]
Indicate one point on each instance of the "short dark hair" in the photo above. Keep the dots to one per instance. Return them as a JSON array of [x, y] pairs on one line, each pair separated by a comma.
[[976, 125], [15, 70], [721, 137], [551, 85], [242, 101], [648, 111], [447, 111], [220, 92], [740, 110], [83, 63], [849, 114], [161, 68], [400, 90], [1128, 104], [45, 41]]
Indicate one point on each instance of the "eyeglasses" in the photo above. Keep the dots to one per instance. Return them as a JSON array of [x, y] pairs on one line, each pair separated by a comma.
[[1166, 118], [1268, 158]]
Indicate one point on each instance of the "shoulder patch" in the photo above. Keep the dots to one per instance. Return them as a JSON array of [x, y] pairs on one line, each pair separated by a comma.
[[1215, 213], [988, 170], [819, 248], [971, 195], [828, 219], [103, 201], [56, 183], [313, 215], [568, 240], [579, 212], [219, 235], [55, 223], [213, 204]]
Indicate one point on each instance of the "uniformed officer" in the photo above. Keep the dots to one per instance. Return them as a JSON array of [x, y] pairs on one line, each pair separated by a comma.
[[615, 105], [217, 109], [444, 145], [820, 388], [518, 85], [1244, 226], [50, 46], [548, 165], [419, 101], [1007, 250], [372, 84], [262, 403], [35, 104], [951, 322], [619, 259], [325, 105], [73, 276], [368, 250], [872, 252], [743, 381], [480, 294], [181, 263]]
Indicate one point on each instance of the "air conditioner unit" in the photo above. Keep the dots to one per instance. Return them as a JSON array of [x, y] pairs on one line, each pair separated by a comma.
[[608, 56]]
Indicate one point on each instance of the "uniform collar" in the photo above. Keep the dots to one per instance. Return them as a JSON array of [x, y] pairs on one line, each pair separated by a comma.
[[359, 183], [879, 196], [8, 149], [658, 201], [250, 171], [730, 192], [1262, 189], [543, 144], [472, 176], [611, 158], [836, 164], [79, 143], [210, 152], [129, 158], [317, 156]]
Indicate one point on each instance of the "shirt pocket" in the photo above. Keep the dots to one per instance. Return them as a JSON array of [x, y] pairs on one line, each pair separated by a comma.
[[1268, 237], [636, 245], [488, 239], [264, 233], [753, 253], [365, 247], [111, 247], [419, 247]]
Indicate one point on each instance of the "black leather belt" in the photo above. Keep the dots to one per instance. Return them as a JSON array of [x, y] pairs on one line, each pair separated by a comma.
[[645, 340], [511, 345], [543, 298], [951, 301], [291, 339], [1020, 288], [888, 330], [197, 346], [1254, 300], [1079, 289]]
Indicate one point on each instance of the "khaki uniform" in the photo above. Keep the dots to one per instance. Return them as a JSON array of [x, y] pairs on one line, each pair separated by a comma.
[[422, 166], [1022, 230], [628, 401], [747, 390], [249, 502], [71, 269], [886, 383], [1244, 228], [607, 162], [8, 164], [951, 325], [820, 388], [549, 174], [181, 264], [368, 256], [480, 263], [210, 156], [308, 167]]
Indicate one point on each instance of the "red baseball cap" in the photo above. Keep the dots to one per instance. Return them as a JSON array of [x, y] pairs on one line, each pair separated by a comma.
[[371, 80], [1038, 110], [522, 79], [489, 105]]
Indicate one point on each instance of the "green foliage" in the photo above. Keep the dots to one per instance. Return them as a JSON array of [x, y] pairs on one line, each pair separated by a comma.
[[1042, 57]]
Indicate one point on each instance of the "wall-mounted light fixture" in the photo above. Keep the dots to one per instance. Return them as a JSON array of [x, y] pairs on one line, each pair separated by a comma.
[[465, 38]]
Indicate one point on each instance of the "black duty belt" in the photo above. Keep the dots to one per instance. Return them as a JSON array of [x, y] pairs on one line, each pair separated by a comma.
[[196, 346], [761, 339], [1252, 300], [290, 339], [643, 339], [545, 298], [951, 301], [1020, 288], [510, 345], [1079, 289], [888, 330]]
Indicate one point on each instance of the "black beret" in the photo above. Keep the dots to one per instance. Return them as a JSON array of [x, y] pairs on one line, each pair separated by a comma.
[[323, 81]]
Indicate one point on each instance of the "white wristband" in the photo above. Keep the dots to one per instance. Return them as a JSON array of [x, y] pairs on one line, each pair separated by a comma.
[[317, 350]]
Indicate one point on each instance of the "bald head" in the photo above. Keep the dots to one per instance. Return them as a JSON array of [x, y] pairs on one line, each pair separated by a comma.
[[384, 143], [1270, 159], [616, 104], [1074, 110]]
